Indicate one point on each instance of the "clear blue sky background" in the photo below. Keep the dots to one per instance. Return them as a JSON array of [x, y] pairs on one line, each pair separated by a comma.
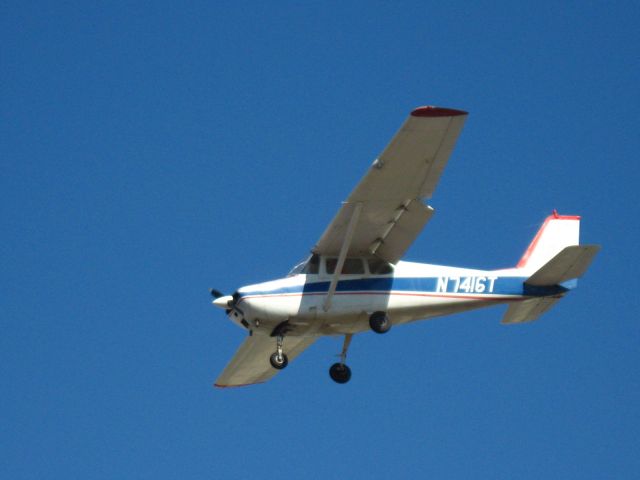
[[152, 150]]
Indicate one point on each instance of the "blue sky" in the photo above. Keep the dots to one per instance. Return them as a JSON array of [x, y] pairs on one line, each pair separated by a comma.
[[152, 150]]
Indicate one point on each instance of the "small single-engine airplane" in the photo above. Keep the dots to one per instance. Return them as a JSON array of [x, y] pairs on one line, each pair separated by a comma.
[[354, 280]]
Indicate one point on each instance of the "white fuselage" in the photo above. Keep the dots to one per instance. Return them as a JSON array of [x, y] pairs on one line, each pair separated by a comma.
[[412, 291]]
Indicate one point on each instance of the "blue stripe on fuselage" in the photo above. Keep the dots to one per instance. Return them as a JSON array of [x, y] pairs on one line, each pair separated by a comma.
[[464, 285]]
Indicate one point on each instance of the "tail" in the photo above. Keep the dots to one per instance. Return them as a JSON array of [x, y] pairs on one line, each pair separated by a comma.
[[553, 257], [556, 233]]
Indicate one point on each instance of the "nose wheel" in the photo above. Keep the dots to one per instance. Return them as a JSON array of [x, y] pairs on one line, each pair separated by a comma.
[[278, 359], [339, 372]]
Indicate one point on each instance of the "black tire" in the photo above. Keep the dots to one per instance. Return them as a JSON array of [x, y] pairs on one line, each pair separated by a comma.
[[379, 322], [340, 373], [278, 363]]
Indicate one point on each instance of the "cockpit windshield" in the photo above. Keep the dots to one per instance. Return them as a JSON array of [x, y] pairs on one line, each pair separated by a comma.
[[296, 269], [310, 266]]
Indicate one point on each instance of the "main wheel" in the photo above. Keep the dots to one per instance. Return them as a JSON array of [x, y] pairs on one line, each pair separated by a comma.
[[379, 322], [340, 373], [279, 361]]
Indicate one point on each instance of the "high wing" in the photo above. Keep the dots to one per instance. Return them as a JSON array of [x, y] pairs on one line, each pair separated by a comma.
[[251, 364], [386, 211]]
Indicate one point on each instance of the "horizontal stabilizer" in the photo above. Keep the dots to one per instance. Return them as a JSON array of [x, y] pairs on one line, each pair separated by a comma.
[[528, 310], [570, 263]]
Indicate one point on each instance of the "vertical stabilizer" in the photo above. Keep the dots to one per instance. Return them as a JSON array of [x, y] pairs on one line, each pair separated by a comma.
[[556, 233]]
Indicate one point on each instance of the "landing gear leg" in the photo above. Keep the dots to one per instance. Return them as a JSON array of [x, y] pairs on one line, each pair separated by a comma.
[[339, 372], [279, 359]]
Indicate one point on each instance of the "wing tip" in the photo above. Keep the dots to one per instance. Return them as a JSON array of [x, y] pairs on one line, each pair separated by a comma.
[[431, 111], [219, 385]]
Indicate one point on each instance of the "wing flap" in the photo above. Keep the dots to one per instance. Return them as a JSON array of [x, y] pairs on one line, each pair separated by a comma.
[[401, 233], [386, 229], [250, 364]]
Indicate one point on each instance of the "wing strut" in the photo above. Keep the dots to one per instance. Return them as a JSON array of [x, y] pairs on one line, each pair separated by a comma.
[[346, 243]]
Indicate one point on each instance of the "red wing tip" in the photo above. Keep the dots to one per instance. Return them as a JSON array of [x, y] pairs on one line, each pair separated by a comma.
[[217, 385], [431, 111]]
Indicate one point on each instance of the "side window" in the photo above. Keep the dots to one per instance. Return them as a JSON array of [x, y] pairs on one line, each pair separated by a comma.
[[330, 265], [352, 266], [379, 267]]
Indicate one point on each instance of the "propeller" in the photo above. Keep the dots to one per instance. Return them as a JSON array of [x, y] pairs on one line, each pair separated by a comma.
[[224, 301], [215, 293]]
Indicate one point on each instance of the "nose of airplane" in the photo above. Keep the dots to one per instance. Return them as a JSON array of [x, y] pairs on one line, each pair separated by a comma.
[[223, 302]]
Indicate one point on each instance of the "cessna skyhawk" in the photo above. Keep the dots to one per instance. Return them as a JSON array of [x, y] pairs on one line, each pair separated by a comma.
[[354, 280]]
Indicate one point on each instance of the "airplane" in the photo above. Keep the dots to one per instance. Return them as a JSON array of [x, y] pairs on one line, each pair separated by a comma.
[[354, 281]]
